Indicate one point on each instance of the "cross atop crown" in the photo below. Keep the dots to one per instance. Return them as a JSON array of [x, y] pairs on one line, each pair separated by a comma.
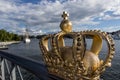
[[65, 15]]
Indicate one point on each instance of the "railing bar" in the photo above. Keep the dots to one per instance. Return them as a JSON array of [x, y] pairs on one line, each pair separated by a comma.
[[14, 77], [0, 60], [0, 77], [29, 77], [3, 69], [8, 69], [19, 71]]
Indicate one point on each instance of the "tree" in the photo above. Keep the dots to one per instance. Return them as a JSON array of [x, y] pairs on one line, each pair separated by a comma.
[[7, 36]]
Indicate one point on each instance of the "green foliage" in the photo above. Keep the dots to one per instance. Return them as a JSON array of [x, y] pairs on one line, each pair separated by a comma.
[[6, 36]]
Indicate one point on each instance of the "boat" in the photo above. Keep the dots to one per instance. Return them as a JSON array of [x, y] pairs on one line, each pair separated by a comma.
[[3, 47], [27, 39]]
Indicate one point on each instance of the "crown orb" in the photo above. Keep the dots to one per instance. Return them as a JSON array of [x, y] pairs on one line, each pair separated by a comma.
[[66, 25]]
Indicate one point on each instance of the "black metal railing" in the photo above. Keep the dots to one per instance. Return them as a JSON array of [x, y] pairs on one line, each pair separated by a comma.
[[35, 67]]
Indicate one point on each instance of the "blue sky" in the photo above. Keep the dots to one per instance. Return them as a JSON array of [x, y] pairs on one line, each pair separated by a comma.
[[30, 1], [43, 16]]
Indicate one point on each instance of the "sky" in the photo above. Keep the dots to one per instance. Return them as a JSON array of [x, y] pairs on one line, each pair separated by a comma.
[[44, 16]]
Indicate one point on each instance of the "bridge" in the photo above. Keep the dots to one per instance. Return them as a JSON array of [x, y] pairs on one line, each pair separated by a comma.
[[14, 67]]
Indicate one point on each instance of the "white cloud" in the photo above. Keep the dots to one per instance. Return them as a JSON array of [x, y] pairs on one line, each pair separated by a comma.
[[46, 15], [109, 29]]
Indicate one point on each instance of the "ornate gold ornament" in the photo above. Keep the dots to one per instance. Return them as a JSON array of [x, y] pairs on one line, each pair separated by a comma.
[[76, 62]]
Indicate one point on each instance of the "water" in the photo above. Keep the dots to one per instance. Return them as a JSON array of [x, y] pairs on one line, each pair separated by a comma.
[[113, 73], [32, 51]]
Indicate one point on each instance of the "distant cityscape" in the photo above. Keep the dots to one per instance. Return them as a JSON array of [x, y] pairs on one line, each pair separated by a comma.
[[115, 34], [6, 36]]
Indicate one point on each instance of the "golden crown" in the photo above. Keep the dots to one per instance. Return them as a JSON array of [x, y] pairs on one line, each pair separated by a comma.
[[75, 62]]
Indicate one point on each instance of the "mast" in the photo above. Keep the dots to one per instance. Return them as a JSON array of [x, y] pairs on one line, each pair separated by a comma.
[[26, 33], [27, 39]]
